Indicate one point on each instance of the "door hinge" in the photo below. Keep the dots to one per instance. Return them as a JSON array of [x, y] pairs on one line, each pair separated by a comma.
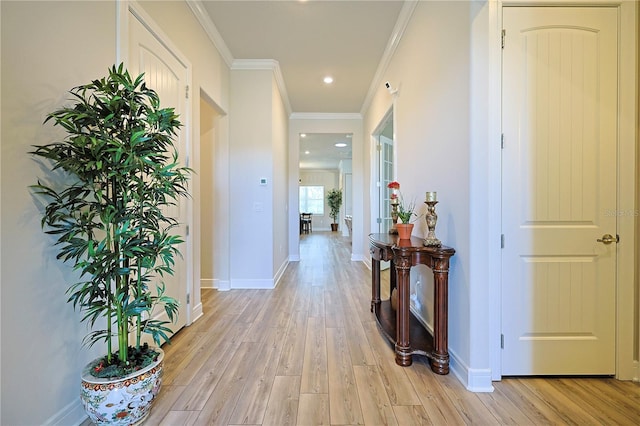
[[502, 141], [504, 33], [379, 220], [501, 241], [379, 147], [188, 298], [186, 92], [187, 230], [186, 161], [502, 341]]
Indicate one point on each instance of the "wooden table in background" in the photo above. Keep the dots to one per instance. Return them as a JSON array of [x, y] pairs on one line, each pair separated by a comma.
[[400, 326]]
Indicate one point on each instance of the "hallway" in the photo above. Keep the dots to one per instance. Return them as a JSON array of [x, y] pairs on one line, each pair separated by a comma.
[[309, 352]]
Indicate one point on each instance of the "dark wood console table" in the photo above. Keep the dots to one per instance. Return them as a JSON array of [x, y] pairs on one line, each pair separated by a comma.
[[400, 326]]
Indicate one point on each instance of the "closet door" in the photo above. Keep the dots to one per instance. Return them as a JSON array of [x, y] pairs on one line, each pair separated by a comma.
[[559, 190], [168, 76]]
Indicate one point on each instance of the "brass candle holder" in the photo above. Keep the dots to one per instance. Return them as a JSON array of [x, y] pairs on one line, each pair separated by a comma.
[[431, 217]]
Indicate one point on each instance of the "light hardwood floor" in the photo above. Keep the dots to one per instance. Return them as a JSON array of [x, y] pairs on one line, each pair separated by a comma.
[[309, 353]]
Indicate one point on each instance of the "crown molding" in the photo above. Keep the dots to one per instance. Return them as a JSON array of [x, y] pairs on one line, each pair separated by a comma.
[[255, 64], [201, 15], [392, 45], [325, 116]]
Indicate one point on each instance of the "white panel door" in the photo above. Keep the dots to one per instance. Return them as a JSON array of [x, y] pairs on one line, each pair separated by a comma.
[[165, 74], [559, 190]]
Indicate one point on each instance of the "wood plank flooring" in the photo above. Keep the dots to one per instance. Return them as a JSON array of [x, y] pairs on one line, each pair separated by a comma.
[[309, 353]]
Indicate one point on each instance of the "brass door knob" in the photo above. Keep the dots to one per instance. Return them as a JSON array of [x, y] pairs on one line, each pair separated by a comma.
[[608, 239]]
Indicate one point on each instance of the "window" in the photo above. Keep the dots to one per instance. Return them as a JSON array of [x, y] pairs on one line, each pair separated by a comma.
[[312, 200]]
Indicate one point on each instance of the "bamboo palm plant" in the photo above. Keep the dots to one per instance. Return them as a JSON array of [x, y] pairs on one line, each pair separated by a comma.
[[110, 221]]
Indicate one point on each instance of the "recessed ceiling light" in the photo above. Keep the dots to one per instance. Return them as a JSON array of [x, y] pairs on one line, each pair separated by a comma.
[[349, 136], [307, 152], [303, 135], [341, 144], [328, 79]]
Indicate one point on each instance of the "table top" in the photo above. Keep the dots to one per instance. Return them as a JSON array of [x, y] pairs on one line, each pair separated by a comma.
[[392, 241]]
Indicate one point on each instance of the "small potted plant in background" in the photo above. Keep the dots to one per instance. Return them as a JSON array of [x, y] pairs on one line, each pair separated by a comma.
[[107, 213], [334, 199]]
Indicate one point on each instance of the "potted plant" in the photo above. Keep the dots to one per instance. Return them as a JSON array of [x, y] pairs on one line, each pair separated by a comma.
[[120, 171], [404, 212], [334, 199]]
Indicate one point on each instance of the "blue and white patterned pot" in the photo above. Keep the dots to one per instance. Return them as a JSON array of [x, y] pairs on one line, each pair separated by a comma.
[[124, 401]]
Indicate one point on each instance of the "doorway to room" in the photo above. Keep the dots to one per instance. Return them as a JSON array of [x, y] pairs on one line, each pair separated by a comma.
[[324, 164], [209, 196], [384, 169]]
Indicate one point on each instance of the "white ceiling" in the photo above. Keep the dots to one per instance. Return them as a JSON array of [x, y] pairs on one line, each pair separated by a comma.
[[318, 150], [347, 39], [311, 39]]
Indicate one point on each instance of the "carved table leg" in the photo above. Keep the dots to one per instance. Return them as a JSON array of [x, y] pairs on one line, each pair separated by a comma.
[[440, 356], [392, 276], [403, 345], [375, 283]]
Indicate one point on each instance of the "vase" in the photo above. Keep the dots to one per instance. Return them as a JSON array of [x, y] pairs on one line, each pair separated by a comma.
[[404, 230], [121, 401]]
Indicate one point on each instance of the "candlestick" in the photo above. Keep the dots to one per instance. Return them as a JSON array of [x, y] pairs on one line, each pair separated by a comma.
[[394, 215], [431, 196], [431, 217]]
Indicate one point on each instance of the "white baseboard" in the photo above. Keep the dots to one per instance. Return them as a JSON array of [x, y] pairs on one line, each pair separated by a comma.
[[252, 284], [207, 283], [367, 262], [636, 371], [72, 414], [196, 313], [473, 379], [280, 272], [222, 285], [245, 284]]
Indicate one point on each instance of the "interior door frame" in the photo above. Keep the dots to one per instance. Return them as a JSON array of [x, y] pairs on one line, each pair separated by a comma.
[[389, 117], [123, 10], [627, 327]]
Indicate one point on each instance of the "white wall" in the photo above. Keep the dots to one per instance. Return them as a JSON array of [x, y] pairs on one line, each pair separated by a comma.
[[43, 56], [431, 69], [279, 136], [208, 199], [251, 204], [258, 150], [346, 185]]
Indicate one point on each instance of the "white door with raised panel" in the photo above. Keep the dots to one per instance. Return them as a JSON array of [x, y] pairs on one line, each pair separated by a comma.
[[559, 117], [168, 76]]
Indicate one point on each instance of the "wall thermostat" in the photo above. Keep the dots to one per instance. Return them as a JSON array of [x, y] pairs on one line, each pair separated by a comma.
[[263, 181]]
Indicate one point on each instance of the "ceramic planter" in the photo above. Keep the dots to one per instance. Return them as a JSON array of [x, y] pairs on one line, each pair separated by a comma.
[[122, 401]]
